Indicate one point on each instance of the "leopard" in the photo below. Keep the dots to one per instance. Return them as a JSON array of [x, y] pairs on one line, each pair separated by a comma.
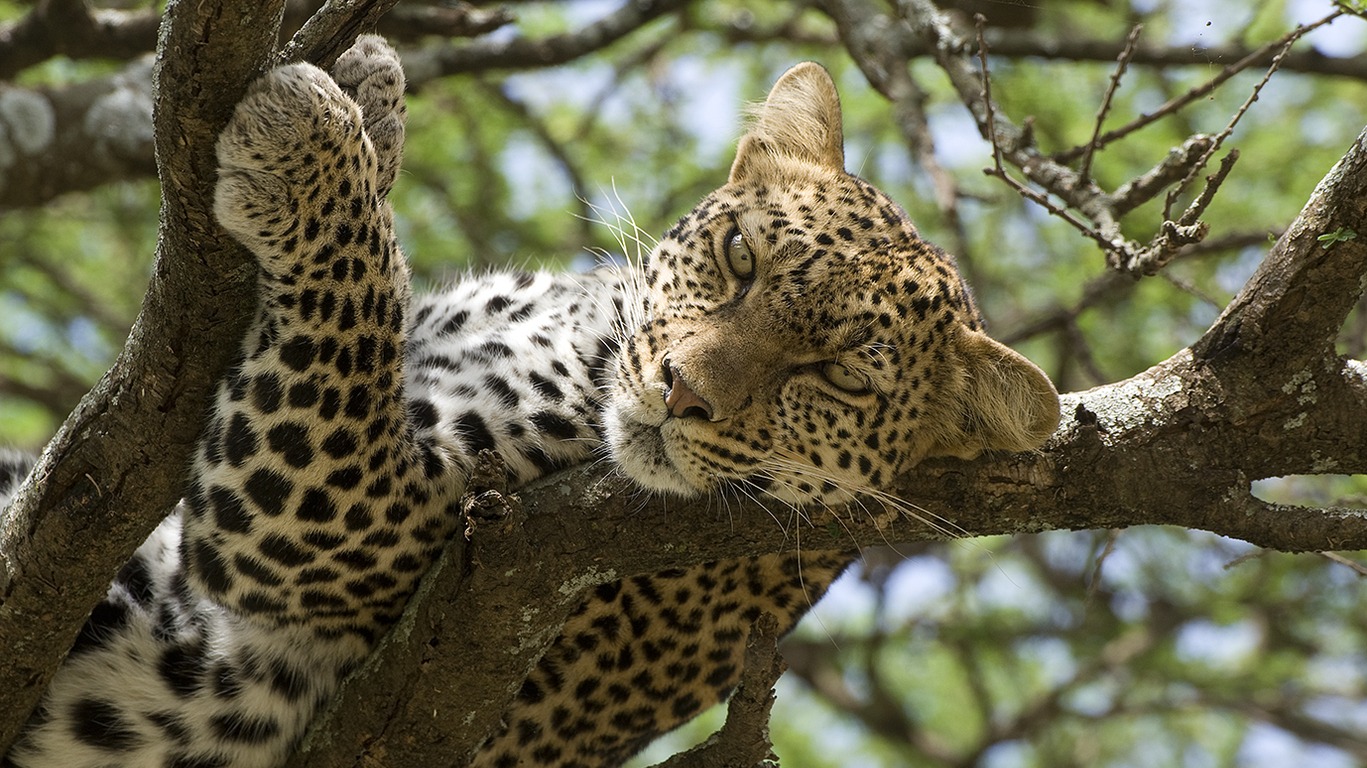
[[792, 338]]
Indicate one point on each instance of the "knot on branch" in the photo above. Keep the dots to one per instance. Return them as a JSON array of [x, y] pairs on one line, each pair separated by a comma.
[[486, 498], [1150, 260]]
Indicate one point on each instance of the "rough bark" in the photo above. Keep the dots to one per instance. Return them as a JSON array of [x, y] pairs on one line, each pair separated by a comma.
[[117, 465]]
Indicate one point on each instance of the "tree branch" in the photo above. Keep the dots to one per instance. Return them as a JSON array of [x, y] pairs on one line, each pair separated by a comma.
[[65, 533], [743, 741], [889, 43], [523, 52], [1020, 43], [1292, 308], [1261, 395], [72, 28], [76, 137], [1098, 472], [325, 35], [61, 155]]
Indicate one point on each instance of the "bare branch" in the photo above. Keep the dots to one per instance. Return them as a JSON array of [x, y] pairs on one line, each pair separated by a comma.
[[72, 28], [888, 42], [415, 22], [1352, 565], [1190, 215], [1170, 170], [1109, 239], [1278, 52], [522, 52], [59, 140], [1122, 62]]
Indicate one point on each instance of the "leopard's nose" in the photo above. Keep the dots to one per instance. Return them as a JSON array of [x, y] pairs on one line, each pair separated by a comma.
[[680, 398]]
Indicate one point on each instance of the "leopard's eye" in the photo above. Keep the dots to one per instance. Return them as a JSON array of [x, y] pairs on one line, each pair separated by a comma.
[[738, 255], [843, 377]]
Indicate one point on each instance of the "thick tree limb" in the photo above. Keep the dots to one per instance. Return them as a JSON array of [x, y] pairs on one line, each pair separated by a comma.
[[1261, 395], [743, 741], [1154, 449], [67, 531], [1290, 312], [326, 34]]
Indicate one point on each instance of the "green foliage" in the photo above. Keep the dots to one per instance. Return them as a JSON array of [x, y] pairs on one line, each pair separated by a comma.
[[1147, 647], [1340, 235], [71, 279]]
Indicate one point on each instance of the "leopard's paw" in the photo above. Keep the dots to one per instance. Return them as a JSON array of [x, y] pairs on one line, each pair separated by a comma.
[[370, 72], [293, 155]]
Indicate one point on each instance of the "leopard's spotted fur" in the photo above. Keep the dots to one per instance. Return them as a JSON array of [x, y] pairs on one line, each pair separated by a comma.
[[791, 336]]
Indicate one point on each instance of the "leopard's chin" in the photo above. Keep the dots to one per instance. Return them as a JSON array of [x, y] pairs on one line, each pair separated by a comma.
[[640, 451]]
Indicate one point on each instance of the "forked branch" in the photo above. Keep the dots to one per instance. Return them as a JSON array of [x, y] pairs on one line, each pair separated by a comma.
[[1049, 181]]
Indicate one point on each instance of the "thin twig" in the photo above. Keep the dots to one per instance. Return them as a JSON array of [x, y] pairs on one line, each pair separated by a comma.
[[1190, 288], [1171, 169], [1177, 103], [1357, 567], [999, 170], [1192, 212], [1188, 229], [1085, 170]]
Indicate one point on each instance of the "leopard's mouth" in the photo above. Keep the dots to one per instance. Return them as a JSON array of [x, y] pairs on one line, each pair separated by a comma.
[[643, 453]]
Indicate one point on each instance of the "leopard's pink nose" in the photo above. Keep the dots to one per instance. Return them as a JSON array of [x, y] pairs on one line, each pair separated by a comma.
[[680, 398]]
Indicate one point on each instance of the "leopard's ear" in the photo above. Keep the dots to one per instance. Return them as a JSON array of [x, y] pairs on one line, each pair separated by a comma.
[[799, 121], [1005, 403]]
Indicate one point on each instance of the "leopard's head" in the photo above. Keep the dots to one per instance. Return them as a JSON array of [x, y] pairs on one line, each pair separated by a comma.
[[797, 336]]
